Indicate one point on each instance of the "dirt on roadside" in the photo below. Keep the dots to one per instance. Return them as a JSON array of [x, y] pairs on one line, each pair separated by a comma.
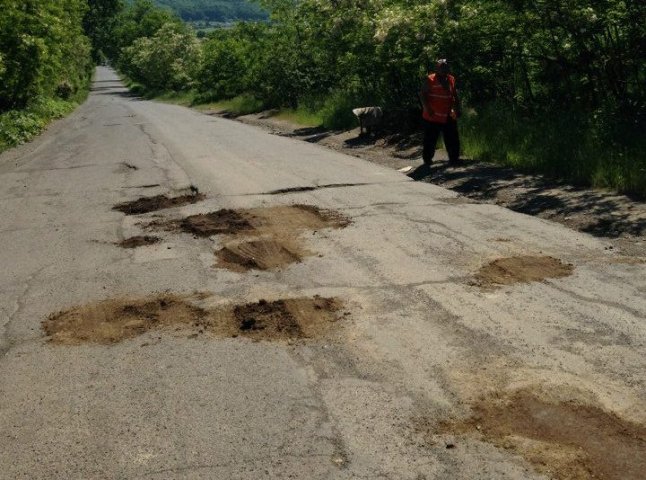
[[565, 440], [114, 320]]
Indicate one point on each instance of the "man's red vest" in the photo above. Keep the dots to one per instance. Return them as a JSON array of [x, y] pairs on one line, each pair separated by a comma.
[[439, 100]]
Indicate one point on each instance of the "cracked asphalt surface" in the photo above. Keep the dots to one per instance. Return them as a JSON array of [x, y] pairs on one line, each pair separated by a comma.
[[421, 343]]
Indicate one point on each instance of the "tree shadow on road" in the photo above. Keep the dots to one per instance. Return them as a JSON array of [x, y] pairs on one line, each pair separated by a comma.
[[600, 213], [118, 93]]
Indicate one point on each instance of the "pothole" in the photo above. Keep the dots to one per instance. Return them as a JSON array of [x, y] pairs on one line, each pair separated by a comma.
[[276, 233], [112, 321], [287, 319], [267, 318], [158, 202], [308, 217], [115, 320], [522, 269], [568, 440], [283, 220], [216, 223], [261, 254], [138, 241]]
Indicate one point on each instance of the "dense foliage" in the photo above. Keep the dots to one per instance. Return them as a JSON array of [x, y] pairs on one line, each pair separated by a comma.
[[153, 47], [532, 55], [99, 23], [215, 10], [166, 61], [45, 64], [46, 49], [43, 50]]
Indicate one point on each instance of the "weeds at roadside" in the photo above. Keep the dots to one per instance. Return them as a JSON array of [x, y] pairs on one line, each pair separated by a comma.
[[20, 126]]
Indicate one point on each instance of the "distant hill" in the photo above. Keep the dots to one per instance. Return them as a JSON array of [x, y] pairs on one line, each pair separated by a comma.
[[215, 10]]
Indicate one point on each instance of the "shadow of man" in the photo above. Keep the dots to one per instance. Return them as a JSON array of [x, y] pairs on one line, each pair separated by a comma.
[[420, 173]]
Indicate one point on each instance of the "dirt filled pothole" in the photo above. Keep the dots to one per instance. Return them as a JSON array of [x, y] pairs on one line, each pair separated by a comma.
[[138, 241], [287, 319], [282, 220], [258, 238], [158, 202], [224, 221], [267, 318], [115, 320], [566, 440], [261, 254], [521, 269], [112, 321]]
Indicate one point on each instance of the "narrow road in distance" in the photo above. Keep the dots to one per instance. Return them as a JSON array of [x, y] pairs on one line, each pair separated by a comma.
[[280, 310]]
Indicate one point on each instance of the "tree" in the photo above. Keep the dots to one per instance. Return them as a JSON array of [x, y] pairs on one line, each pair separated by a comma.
[[99, 23], [166, 61], [42, 47]]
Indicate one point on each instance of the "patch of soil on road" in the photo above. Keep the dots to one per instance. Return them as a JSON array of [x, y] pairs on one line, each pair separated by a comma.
[[261, 254], [276, 231], [566, 440], [111, 321], [267, 318], [158, 202], [282, 219], [309, 217], [522, 269], [287, 319], [245, 221], [216, 223], [138, 241]]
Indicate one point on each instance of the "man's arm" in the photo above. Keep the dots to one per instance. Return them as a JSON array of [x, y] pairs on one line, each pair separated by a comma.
[[423, 95]]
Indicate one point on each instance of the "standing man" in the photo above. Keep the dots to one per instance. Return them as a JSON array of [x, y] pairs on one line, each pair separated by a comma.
[[441, 109]]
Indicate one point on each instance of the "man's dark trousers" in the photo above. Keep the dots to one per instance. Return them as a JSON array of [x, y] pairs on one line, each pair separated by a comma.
[[449, 132]]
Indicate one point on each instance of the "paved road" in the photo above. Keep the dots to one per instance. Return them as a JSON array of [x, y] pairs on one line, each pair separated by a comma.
[[422, 343]]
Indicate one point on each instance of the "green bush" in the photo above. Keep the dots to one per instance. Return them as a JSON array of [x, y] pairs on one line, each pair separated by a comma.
[[336, 111], [571, 145], [20, 126], [42, 45], [240, 105], [166, 61]]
